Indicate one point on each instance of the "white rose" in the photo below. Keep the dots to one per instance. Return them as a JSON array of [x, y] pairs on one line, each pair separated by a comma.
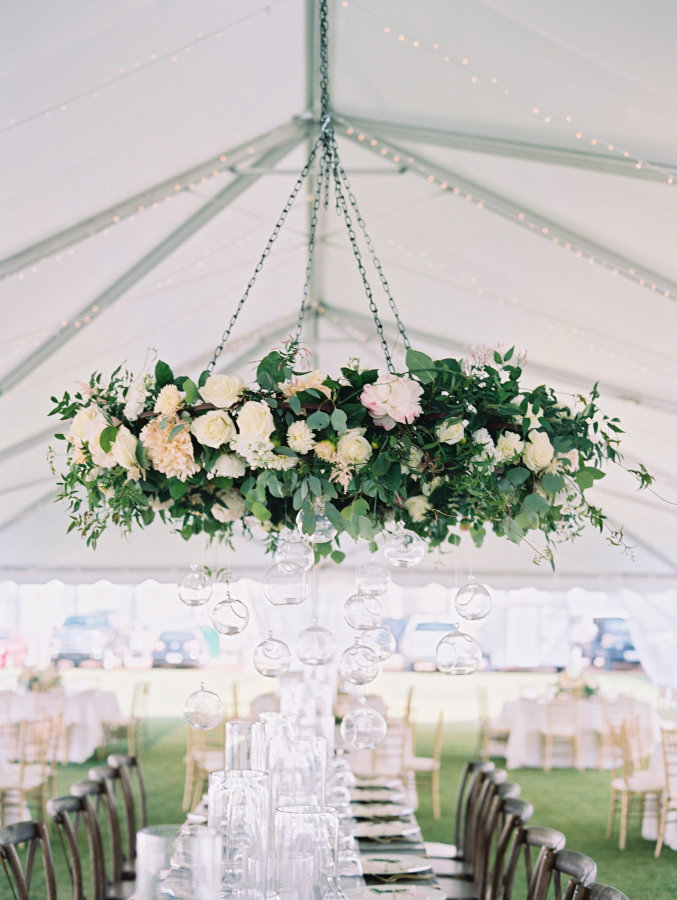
[[300, 438], [509, 445], [87, 423], [417, 507], [255, 421], [229, 508], [354, 447], [451, 433], [538, 451], [222, 390], [213, 428], [124, 448], [228, 465]]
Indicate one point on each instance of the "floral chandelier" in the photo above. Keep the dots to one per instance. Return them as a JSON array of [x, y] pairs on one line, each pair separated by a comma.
[[444, 448]]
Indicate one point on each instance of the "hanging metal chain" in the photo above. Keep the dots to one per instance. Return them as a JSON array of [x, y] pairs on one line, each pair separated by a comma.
[[342, 206], [271, 240], [312, 231], [324, 60], [372, 253]]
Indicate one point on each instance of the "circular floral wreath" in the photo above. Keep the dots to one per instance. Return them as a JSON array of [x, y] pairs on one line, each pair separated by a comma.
[[448, 446]]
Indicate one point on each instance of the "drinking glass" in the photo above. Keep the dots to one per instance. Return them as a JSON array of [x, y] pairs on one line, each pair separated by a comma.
[[306, 837], [237, 806], [245, 745], [177, 861], [297, 771]]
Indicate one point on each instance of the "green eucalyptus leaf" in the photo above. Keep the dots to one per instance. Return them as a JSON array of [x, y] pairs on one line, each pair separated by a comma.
[[420, 365], [517, 475], [339, 421], [317, 420]]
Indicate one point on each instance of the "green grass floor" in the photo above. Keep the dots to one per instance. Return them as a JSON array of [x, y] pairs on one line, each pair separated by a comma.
[[571, 801]]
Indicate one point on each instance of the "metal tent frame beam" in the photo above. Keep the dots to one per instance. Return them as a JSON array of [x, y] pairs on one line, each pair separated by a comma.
[[147, 263], [522, 216], [364, 322], [110, 217], [476, 143]]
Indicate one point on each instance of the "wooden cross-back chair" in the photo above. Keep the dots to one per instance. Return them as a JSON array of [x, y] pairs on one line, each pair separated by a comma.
[[29, 840], [430, 766], [543, 843], [102, 798], [570, 873], [205, 753], [71, 816], [130, 730], [126, 777], [599, 891], [561, 727], [669, 800], [26, 777]]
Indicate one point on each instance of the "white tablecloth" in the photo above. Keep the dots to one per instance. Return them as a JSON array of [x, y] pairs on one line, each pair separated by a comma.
[[527, 718], [84, 713]]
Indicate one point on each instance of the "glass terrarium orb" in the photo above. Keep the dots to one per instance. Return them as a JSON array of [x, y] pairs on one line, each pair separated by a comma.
[[316, 646], [473, 600], [363, 610], [363, 727], [373, 578], [203, 709], [359, 664], [195, 588], [324, 530], [285, 583], [458, 654], [230, 616], [404, 548], [272, 657], [294, 547], [381, 640]]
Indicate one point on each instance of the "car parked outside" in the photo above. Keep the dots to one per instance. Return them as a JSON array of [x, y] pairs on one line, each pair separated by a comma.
[[13, 649], [182, 647], [613, 644], [88, 637]]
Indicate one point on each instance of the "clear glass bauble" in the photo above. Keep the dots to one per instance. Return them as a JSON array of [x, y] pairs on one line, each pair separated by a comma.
[[359, 664], [272, 657], [381, 640], [285, 583], [195, 588], [230, 616], [363, 610], [473, 600], [295, 547], [316, 646], [363, 728], [458, 654], [404, 548], [203, 709], [324, 530], [373, 578]]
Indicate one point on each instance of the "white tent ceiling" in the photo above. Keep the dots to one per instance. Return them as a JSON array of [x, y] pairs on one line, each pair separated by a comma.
[[514, 162]]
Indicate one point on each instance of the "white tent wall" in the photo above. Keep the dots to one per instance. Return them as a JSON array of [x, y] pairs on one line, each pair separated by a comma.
[[515, 164]]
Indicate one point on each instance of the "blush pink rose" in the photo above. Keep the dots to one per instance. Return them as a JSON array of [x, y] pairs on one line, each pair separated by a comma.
[[392, 399]]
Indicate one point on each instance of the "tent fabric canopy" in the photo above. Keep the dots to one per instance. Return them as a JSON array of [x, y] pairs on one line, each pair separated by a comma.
[[515, 165]]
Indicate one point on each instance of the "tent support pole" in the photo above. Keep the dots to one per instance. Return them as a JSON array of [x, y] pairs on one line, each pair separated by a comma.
[[559, 156], [146, 264], [521, 216], [107, 218], [365, 323]]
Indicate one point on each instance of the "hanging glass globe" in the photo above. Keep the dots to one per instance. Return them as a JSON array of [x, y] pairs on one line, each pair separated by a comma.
[[285, 583], [359, 664], [458, 654], [230, 616], [363, 610], [324, 530], [373, 578], [272, 657], [404, 548], [295, 548], [203, 709], [316, 645], [363, 727], [195, 588], [381, 640], [473, 600]]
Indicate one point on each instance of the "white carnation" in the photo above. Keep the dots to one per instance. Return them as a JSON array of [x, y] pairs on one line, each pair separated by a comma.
[[228, 465], [300, 437]]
